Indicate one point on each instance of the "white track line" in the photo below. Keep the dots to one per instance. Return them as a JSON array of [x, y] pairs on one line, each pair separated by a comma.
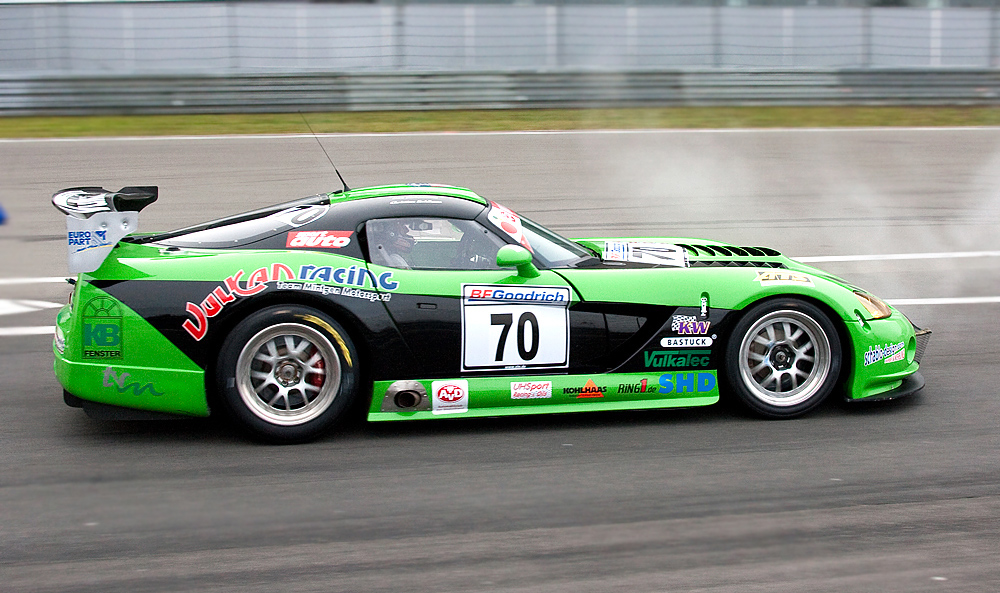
[[895, 256], [28, 331], [44, 280], [945, 301]]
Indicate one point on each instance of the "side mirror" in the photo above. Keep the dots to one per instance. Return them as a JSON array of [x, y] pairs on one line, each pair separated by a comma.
[[514, 255]]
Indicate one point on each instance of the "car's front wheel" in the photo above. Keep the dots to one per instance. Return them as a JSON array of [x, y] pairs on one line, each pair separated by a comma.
[[783, 358], [287, 373]]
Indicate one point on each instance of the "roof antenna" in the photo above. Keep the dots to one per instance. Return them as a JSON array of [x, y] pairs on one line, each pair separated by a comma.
[[302, 115]]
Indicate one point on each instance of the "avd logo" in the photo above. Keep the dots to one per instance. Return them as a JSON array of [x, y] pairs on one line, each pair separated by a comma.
[[450, 397]]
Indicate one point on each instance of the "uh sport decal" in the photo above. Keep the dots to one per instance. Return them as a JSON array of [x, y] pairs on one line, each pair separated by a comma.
[[256, 282]]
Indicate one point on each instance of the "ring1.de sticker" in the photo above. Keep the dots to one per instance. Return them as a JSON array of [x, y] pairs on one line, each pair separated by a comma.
[[507, 327], [508, 222]]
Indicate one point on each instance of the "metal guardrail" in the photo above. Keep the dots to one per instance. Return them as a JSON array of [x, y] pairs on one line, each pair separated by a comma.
[[58, 95]]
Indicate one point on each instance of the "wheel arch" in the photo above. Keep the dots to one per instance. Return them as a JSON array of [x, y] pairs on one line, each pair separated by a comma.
[[847, 355], [342, 315]]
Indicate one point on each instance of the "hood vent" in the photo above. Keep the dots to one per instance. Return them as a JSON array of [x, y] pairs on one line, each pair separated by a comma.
[[729, 251]]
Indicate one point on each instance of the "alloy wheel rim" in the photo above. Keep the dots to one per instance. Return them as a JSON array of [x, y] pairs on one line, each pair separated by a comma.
[[785, 358], [288, 374]]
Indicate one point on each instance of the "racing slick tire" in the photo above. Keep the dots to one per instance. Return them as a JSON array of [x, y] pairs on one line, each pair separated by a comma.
[[286, 373], [783, 358]]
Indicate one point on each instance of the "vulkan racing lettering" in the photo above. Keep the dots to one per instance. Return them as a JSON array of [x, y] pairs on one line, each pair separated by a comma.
[[321, 239], [257, 281], [687, 383], [228, 292]]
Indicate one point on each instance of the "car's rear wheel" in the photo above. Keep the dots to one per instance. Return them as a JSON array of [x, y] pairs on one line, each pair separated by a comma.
[[783, 358], [287, 373]]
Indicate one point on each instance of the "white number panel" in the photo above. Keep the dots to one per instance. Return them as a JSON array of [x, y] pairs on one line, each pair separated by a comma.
[[514, 327]]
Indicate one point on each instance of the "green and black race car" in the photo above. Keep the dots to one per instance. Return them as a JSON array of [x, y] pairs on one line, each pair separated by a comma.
[[428, 301]]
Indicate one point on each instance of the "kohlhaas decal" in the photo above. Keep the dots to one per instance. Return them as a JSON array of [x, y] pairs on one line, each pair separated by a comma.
[[782, 278], [102, 329], [319, 239], [680, 383], [450, 397], [589, 389], [508, 222], [689, 325]]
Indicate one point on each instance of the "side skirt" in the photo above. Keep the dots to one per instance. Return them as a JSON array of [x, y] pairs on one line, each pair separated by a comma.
[[473, 397]]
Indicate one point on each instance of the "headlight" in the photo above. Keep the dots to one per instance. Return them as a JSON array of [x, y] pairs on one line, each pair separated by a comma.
[[60, 340], [875, 306]]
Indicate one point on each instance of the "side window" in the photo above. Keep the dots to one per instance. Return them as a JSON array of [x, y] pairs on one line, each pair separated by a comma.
[[432, 244]]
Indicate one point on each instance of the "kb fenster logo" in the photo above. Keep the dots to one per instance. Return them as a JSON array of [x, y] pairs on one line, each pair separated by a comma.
[[102, 329]]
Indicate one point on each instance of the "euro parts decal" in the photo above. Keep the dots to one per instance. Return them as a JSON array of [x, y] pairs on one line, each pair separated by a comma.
[[258, 280], [505, 327], [102, 329], [450, 397], [888, 353], [661, 254], [783, 279], [683, 359], [83, 240]]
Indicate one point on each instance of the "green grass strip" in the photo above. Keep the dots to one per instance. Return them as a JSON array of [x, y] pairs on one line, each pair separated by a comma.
[[497, 120]]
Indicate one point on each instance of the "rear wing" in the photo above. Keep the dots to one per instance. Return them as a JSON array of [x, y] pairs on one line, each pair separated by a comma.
[[96, 219]]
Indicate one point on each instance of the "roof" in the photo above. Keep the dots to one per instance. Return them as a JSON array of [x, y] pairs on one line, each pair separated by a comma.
[[407, 189]]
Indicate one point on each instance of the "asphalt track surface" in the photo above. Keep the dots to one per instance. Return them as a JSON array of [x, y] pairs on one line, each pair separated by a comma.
[[901, 496]]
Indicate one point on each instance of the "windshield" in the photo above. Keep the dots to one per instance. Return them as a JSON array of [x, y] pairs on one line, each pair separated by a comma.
[[553, 250]]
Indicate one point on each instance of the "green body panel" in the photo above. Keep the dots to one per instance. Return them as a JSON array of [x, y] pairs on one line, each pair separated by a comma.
[[409, 190], [113, 356], [492, 396], [875, 339]]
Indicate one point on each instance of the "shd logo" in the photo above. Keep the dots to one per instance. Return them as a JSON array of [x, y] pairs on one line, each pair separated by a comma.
[[102, 329]]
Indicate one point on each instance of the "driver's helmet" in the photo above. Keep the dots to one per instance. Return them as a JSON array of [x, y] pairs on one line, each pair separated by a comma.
[[393, 235]]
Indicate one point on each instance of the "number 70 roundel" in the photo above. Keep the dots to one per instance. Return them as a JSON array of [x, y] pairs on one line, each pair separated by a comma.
[[507, 326]]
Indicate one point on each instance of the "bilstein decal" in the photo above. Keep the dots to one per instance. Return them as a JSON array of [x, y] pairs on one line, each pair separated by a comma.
[[102, 329], [257, 282]]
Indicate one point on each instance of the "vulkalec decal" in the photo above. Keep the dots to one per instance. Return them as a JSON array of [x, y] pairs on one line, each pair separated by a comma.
[[659, 359]]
